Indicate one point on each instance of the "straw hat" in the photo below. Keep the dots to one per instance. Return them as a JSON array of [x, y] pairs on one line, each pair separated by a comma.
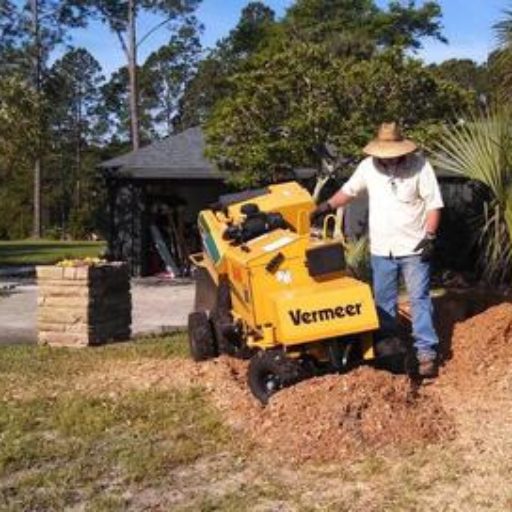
[[389, 143]]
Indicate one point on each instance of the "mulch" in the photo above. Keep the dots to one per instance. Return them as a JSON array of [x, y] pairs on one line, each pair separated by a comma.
[[342, 417]]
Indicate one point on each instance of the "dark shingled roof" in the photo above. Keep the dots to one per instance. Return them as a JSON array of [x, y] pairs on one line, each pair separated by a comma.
[[179, 156]]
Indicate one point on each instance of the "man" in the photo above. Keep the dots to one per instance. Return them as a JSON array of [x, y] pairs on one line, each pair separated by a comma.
[[404, 212]]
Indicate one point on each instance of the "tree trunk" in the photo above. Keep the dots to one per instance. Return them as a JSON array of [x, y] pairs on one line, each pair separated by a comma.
[[36, 76], [132, 71], [36, 230], [78, 163], [78, 154]]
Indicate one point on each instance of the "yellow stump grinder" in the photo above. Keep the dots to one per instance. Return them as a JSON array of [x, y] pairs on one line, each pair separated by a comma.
[[270, 290]]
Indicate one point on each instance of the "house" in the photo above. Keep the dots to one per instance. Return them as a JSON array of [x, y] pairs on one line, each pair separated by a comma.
[[165, 184]]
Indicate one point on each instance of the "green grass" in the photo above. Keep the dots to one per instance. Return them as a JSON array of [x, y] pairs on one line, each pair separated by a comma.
[[243, 499], [36, 362], [46, 252], [63, 451], [72, 449], [52, 369]]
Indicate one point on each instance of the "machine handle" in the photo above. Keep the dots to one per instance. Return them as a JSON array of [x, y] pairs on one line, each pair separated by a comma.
[[337, 230], [198, 259]]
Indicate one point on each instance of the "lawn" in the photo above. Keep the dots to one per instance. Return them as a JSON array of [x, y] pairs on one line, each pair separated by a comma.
[[46, 252], [61, 446], [114, 428]]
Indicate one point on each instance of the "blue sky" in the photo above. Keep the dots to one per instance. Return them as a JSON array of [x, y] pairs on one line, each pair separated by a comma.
[[467, 25]]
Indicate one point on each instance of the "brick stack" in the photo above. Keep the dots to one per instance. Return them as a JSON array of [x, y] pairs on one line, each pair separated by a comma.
[[81, 306]]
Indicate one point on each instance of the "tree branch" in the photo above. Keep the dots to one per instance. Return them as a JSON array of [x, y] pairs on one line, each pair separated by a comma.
[[123, 43], [111, 21], [154, 29]]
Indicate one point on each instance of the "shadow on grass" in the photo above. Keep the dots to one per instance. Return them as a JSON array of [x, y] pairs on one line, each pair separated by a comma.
[[33, 363]]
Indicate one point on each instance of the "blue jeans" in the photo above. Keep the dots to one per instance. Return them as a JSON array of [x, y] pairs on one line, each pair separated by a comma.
[[416, 275]]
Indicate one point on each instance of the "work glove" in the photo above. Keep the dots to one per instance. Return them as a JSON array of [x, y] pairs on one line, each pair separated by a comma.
[[321, 210], [427, 246]]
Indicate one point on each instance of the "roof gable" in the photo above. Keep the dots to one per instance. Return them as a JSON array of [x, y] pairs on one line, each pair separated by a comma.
[[176, 156]]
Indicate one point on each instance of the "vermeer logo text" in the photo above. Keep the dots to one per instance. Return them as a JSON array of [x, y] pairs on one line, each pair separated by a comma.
[[325, 314]]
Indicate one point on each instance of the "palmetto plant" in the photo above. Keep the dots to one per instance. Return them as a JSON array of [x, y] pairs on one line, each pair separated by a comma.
[[357, 255], [502, 68], [481, 149]]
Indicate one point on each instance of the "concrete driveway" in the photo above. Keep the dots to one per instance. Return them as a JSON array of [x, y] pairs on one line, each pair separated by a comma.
[[158, 306]]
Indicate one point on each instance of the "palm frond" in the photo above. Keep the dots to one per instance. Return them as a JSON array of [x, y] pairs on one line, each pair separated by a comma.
[[502, 65], [481, 150], [357, 256], [503, 29], [496, 256]]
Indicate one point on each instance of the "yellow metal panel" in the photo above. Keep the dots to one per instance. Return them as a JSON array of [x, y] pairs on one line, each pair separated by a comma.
[[305, 313], [240, 288], [367, 344], [265, 285], [282, 303], [212, 227]]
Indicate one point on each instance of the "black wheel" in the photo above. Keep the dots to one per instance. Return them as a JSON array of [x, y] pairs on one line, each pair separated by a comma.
[[222, 319], [200, 337], [270, 371], [227, 334]]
